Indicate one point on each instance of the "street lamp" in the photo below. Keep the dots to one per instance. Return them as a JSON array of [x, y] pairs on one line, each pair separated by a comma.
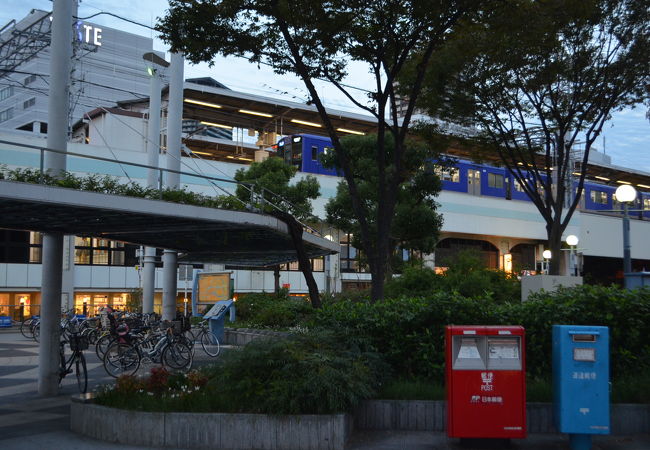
[[546, 254], [572, 241], [626, 194]]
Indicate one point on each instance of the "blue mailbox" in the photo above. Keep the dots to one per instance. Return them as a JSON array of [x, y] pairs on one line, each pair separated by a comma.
[[581, 382]]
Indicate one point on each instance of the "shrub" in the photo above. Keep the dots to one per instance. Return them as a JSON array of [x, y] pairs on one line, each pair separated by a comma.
[[270, 311], [409, 332], [317, 373], [466, 275]]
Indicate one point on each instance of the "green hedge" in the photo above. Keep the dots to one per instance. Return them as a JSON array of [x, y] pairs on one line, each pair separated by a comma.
[[271, 311], [409, 332]]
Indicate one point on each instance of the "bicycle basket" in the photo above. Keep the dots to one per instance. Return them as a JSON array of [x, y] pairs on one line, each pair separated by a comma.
[[78, 342]]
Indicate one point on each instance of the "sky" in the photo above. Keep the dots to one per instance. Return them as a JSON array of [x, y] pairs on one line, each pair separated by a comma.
[[626, 137]]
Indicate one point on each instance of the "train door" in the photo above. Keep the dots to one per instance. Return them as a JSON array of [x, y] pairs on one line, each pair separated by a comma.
[[474, 181]]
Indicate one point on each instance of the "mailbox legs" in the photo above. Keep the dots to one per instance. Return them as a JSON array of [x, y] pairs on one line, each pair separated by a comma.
[[580, 441]]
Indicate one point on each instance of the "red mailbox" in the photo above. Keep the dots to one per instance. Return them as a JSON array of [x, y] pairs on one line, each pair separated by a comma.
[[486, 382]]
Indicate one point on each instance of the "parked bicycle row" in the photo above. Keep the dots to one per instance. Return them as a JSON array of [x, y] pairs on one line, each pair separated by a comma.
[[123, 342]]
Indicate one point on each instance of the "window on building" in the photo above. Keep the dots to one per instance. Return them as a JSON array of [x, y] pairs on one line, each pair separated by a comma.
[[646, 204], [30, 79], [349, 256], [103, 252], [29, 103], [599, 197], [495, 180], [314, 153], [317, 265], [6, 92], [19, 247], [448, 174], [6, 114]]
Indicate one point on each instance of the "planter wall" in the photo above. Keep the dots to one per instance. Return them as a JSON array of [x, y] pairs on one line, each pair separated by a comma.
[[242, 336], [431, 416], [210, 430]]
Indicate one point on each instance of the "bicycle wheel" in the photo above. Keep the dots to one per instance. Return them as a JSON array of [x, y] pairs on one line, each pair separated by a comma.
[[121, 359], [102, 344], [36, 332], [82, 373], [210, 343], [26, 329], [177, 356]]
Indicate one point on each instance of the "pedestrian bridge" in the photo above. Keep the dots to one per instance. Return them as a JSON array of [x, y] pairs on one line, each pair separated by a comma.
[[199, 234]]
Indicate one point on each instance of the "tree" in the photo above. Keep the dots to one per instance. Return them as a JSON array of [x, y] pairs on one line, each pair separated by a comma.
[[540, 80], [265, 186], [317, 40], [416, 223]]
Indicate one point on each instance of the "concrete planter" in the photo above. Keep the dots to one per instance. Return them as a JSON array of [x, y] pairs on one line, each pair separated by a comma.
[[421, 415], [242, 336], [210, 430]]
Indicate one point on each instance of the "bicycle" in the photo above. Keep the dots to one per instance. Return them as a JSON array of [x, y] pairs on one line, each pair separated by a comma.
[[209, 342], [27, 327], [78, 343], [124, 355]]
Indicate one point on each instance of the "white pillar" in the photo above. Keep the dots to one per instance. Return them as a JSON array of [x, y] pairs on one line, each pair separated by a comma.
[[148, 279], [153, 177], [57, 138], [174, 128]]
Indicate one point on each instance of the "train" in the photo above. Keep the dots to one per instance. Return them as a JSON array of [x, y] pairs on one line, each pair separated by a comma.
[[305, 150]]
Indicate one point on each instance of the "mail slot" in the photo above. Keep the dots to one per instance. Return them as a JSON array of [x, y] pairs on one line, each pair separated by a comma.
[[485, 378], [581, 381]]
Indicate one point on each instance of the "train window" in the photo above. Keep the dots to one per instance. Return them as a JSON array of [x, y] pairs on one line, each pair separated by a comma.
[[598, 197], [495, 180], [518, 186], [448, 174], [314, 153]]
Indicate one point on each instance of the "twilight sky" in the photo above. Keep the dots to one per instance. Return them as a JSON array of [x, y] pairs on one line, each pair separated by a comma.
[[626, 136]]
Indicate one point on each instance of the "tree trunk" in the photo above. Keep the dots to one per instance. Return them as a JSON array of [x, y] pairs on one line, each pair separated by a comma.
[[276, 279], [555, 246], [295, 230]]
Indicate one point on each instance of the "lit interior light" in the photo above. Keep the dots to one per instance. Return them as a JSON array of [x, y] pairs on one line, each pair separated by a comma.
[[623, 182], [643, 186], [199, 102], [230, 157], [601, 178], [201, 153], [577, 174], [255, 113], [304, 122], [245, 159], [345, 130], [218, 125]]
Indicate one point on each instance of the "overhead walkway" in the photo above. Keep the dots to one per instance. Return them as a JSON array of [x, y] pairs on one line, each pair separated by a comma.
[[200, 234]]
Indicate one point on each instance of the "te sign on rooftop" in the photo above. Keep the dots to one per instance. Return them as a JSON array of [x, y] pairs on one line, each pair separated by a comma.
[[88, 34]]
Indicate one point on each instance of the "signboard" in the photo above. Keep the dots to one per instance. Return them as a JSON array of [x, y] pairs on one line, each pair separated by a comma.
[[209, 288]]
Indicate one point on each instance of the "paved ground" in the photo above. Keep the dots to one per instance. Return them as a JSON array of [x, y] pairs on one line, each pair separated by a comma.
[[29, 422]]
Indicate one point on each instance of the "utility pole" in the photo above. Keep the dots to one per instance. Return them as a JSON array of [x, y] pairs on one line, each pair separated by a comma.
[[57, 139], [172, 180], [153, 176]]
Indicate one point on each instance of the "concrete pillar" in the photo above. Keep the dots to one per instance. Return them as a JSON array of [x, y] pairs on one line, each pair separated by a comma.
[[57, 137], [170, 277], [148, 279], [153, 177], [174, 129]]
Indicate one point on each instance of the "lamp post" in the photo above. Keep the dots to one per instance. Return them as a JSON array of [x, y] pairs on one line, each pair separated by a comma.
[[572, 241], [546, 254], [626, 194]]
